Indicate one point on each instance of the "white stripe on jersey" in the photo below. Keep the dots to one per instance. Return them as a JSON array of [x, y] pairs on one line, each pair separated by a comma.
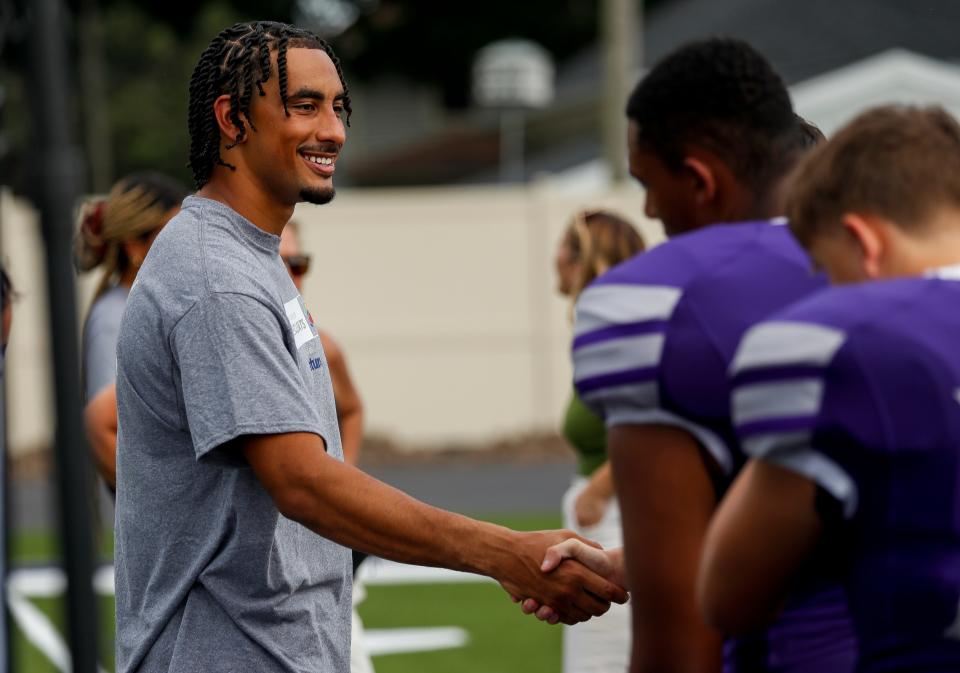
[[630, 414], [616, 355], [781, 343], [761, 446], [818, 468], [605, 305], [779, 399], [629, 395], [951, 272], [792, 450]]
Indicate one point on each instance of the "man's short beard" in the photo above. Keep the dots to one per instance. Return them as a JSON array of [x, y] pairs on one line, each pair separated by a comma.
[[317, 196]]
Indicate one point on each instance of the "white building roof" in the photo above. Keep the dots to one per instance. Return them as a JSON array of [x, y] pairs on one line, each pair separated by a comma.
[[895, 76], [834, 98]]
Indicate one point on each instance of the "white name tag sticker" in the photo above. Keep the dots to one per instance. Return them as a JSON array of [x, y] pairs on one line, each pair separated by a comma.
[[301, 325]]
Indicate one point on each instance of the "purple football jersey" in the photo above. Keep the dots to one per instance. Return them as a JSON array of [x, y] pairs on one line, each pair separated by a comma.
[[653, 341], [858, 388]]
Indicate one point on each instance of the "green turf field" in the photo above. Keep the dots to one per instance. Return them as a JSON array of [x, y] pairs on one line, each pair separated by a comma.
[[501, 639]]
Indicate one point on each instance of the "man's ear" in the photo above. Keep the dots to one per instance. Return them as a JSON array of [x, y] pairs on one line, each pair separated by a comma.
[[870, 235], [221, 110], [704, 179]]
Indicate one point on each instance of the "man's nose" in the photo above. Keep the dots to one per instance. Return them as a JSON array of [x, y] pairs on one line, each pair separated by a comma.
[[331, 129]]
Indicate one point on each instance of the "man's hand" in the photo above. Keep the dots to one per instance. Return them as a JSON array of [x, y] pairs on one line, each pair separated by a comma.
[[607, 563], [574, 592]]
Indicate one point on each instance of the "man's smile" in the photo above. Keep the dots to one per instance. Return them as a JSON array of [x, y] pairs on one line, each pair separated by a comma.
[[321, 163]]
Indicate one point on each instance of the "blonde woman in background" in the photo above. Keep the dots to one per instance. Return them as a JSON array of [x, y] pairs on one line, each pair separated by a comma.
[[594, 242], [115, 234]]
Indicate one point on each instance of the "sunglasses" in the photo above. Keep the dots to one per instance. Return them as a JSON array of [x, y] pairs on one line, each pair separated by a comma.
[[298, 264]]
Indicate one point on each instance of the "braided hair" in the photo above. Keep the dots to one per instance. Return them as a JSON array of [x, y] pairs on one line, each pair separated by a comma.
[[235, 63]]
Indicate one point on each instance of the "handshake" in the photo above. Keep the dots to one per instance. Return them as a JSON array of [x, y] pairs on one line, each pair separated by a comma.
[[562, 577]]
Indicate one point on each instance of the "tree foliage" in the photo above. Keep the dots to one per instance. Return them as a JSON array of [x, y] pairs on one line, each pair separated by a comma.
[[150, 48], [435, 40]]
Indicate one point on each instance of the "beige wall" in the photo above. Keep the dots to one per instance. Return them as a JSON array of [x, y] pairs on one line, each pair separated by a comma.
[[442, 299], [27, 367]]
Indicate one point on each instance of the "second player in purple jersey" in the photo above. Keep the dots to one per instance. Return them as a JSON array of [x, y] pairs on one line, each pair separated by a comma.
[[858, 389], [848, 403], [654, 340]]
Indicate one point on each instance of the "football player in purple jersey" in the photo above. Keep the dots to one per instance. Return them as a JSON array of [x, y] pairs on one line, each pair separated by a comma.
[[712, 136], [848, 403]]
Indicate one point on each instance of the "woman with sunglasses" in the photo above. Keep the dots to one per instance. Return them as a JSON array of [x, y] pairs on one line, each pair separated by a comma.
[[115, 234], [593, 242], [349, 406], [349, 418]]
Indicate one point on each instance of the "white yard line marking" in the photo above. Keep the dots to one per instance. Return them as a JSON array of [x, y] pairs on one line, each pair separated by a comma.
[[40, 631], [46, 582], [379, 642], [37, 582], [377, 572], [50, 582]]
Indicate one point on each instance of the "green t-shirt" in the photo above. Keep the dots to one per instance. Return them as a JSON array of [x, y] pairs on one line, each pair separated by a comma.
[[587, 434]]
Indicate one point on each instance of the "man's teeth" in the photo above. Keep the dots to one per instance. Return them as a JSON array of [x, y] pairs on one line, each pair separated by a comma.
[[323, 161]]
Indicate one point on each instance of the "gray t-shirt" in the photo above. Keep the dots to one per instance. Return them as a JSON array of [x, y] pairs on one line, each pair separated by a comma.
[[216, 343], [100, 340]]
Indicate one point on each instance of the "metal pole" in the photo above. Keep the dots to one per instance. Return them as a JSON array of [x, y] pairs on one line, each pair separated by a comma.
[[512, 145], [6, 643], [620, 38], [58, 173], [93, 96]]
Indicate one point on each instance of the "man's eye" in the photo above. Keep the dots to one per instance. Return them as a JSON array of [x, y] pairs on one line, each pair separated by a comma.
[[303, 106]]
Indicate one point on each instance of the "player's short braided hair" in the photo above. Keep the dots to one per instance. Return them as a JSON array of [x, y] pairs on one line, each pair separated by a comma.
[[720, 94], [236, 63]]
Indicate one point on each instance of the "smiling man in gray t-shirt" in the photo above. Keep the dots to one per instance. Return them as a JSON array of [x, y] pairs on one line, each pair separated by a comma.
[[232, 497], [216, 344]]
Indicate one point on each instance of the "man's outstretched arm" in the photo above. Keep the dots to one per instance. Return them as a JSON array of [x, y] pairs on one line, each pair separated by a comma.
[[347, 506]]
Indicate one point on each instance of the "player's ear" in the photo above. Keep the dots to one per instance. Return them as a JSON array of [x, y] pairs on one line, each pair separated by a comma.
[[704, 178], [869, 236], [233, 134]]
